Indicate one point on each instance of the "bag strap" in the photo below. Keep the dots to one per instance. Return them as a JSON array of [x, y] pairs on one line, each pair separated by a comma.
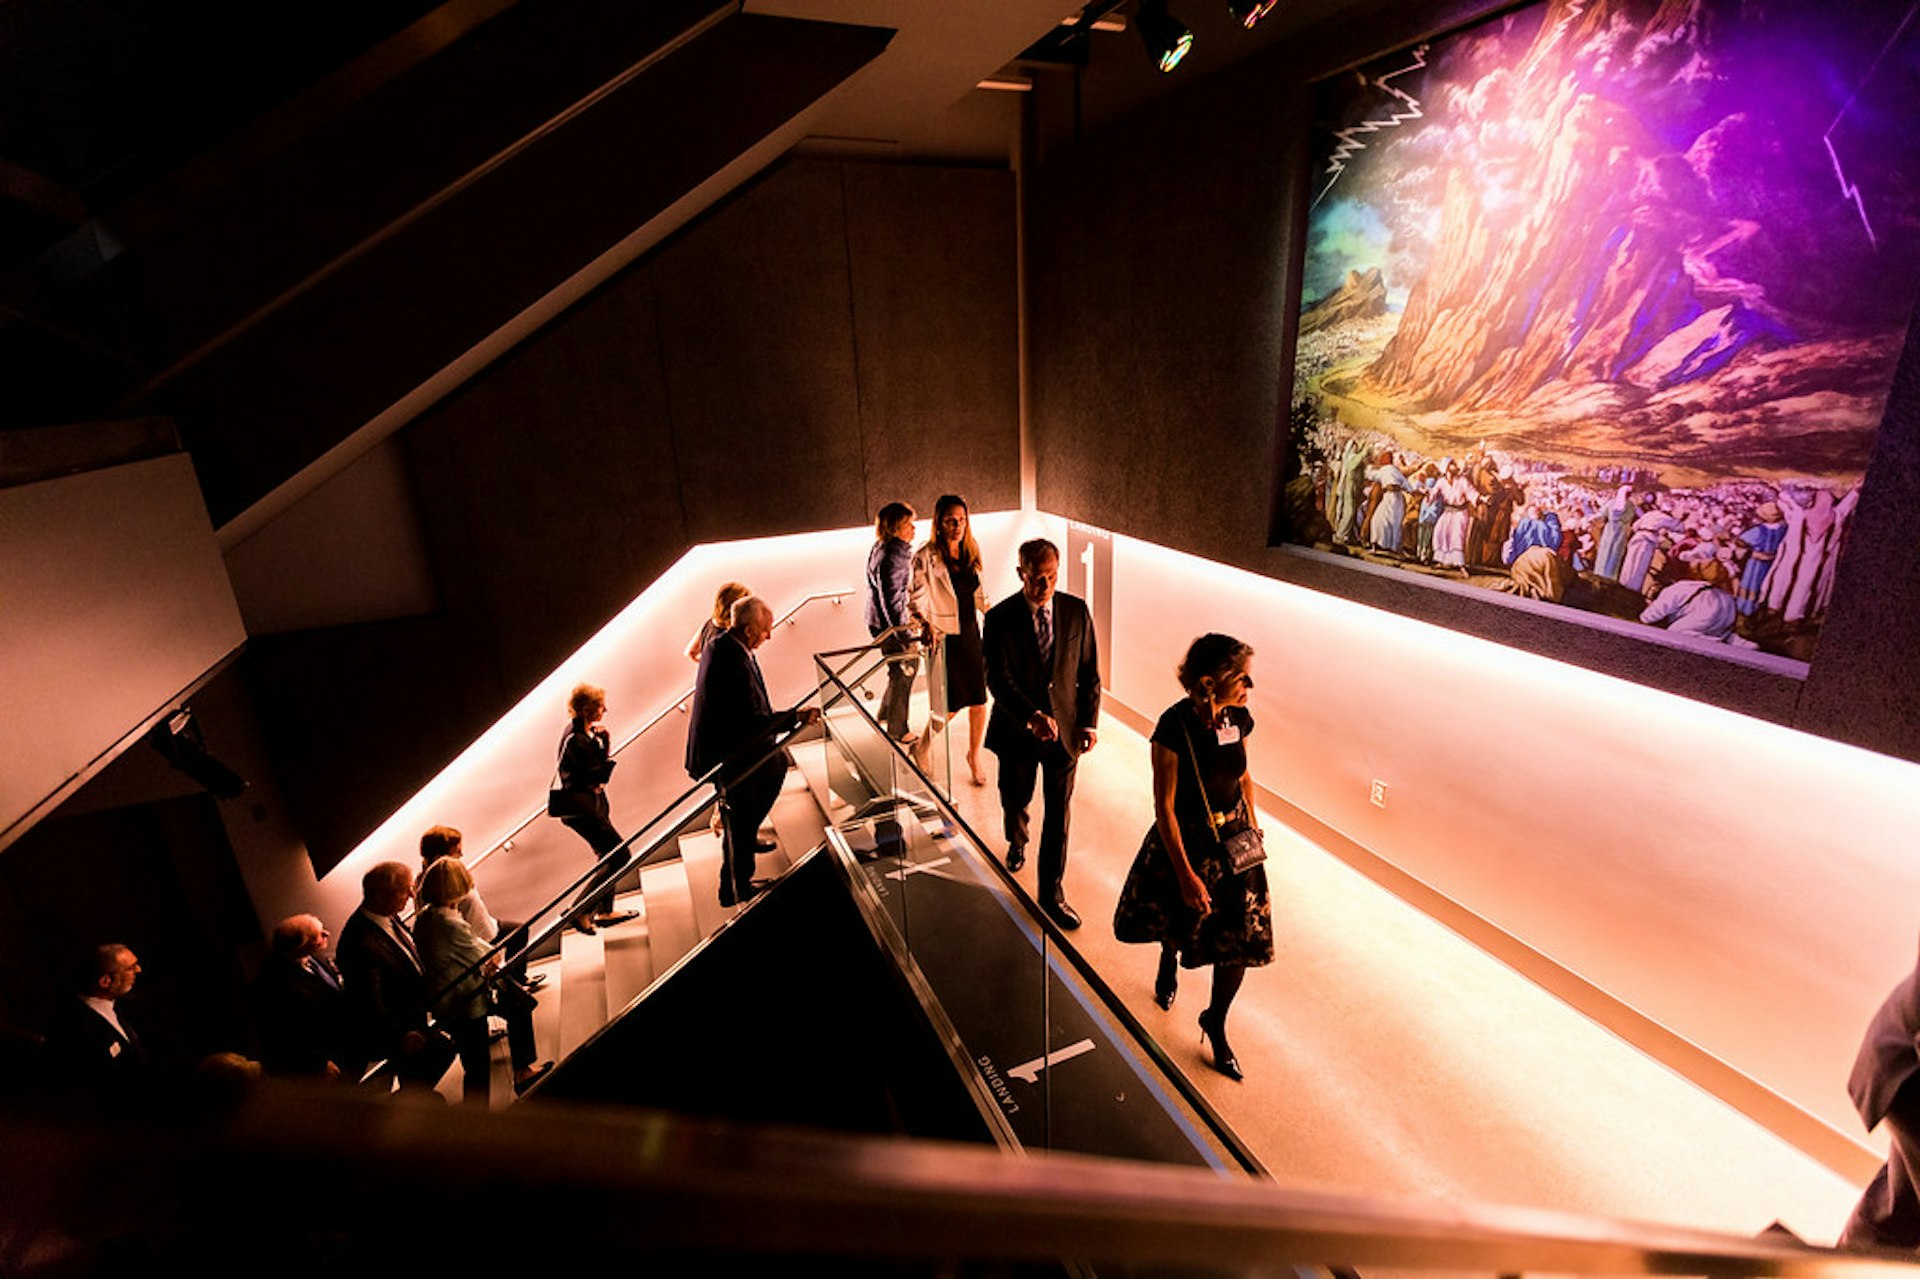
[[1206, 802], [559, 755]]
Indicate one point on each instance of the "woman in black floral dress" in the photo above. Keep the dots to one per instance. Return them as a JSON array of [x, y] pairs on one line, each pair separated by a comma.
[[1182, 892]]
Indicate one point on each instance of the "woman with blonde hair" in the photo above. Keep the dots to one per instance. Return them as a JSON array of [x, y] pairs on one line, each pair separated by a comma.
[[580, 802], [720, 620], [946, 597], [457, 984]]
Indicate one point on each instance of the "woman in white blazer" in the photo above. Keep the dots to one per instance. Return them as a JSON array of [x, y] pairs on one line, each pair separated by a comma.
[[946, 598]]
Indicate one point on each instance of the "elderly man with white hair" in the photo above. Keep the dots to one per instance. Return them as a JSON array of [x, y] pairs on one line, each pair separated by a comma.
[[733, 723], [300, 1005]]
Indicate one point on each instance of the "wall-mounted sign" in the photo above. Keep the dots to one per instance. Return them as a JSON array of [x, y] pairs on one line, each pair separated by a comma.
[[1602, 301]]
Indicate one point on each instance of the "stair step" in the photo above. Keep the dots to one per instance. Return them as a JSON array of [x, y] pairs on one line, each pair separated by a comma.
[[546, 1015], [797, 819], [583, 992], [670, 920], [702, 854], [629, 954]]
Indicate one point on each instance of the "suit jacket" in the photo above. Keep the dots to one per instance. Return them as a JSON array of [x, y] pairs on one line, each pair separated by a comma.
[[386, 994], [730, 707], [1068, 688], [303, 1019], [83, 1047], [1889, 1054]]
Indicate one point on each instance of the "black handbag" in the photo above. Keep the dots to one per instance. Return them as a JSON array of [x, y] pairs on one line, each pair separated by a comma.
[[1245, 846], [572, 803]]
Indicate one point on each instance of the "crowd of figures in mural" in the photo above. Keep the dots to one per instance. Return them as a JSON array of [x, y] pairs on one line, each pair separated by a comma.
[[1601, 304], [1745, 563]]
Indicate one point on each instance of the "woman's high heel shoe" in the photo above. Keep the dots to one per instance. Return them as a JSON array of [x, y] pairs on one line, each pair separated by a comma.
[[1213, 1030], [1166, 982]]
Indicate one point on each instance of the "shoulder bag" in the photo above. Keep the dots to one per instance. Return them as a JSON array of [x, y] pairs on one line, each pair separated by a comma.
[[562, 802], [1245, 846]]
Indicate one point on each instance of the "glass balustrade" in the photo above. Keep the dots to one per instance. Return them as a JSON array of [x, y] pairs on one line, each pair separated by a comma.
[[1065, 1064]]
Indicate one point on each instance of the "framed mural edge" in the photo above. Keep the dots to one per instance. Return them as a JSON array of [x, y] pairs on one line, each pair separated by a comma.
[[1599, 308]]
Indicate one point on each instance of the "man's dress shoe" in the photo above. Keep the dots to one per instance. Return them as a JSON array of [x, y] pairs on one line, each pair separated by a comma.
[[1016, 857], [1062, 914]]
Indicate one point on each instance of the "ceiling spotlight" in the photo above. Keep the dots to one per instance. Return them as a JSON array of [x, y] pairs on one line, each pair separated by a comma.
[[1166, 37], [1249, 12]]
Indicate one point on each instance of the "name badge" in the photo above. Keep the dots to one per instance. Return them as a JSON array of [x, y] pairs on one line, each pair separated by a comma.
[[1228, 733]]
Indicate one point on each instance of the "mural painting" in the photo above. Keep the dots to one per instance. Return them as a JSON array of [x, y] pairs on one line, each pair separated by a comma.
[[1602, 301]]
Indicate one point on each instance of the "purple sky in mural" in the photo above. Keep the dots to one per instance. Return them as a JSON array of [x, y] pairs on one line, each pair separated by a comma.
[[1641, 270]]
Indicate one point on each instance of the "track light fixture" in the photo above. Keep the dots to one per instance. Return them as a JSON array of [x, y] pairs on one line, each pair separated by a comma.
[[1166, 37], [1249, 12]]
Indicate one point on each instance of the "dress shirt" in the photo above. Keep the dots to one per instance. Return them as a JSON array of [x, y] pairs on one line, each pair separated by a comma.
[[105, 1008]]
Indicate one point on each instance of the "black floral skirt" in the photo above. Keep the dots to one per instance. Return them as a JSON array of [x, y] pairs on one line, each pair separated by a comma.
[[1237, 930]]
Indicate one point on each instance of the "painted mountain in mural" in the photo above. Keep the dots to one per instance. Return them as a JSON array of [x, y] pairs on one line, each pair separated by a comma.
[[1362, 296], [1620, 272]]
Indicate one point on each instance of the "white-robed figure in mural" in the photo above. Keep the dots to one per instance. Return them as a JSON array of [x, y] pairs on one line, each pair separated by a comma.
[[1787, 563], [1619, 513], [1390, 512], [1349, 492], [1816, 536], [1836, 543], [1457, 496], [1642, 543]]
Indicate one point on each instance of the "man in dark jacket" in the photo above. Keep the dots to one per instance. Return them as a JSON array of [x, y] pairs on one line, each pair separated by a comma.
[[300, 1004], [386, 990], [1043, 669], [732, 719]]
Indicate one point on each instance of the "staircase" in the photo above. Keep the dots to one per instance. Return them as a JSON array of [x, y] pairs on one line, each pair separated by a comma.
[[676, 905]]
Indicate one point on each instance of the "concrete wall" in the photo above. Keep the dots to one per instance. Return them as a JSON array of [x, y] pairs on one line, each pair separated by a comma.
[[833, 337]]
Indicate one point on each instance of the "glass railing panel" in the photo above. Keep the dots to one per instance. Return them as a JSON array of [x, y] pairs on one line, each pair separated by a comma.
[[1066, 1064]]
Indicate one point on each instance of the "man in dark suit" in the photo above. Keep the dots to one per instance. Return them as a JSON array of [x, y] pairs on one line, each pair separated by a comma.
[[731, 713], [386, 990], [89, 1044], [1043, 670], [300, 1004]]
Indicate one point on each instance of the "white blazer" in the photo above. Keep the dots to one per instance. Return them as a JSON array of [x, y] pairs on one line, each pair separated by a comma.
[[930, 594]]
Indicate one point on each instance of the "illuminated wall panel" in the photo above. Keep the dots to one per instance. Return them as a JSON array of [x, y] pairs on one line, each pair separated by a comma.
[[1747, 886], [113, 601]]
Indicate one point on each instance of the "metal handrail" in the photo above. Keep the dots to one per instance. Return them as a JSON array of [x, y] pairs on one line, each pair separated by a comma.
[[707, 781], [1176, 1078], [624, 1183], [678, 703]]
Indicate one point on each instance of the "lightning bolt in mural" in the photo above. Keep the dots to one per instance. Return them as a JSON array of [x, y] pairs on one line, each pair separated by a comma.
[[1848, 189], [1350, 143]]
